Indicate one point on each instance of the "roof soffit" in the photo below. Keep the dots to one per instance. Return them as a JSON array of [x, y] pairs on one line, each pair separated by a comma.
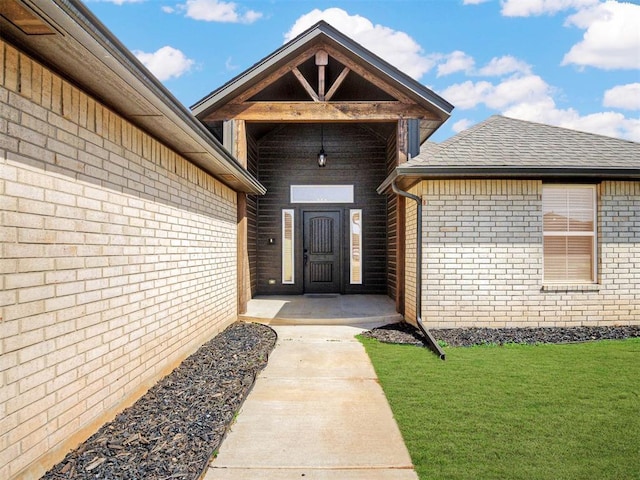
[[82, 51]]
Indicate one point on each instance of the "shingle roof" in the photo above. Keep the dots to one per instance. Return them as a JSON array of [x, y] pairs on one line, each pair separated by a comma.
[[506, 142], [502, 147]]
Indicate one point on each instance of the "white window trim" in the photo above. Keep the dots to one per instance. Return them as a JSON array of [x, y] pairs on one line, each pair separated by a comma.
[[553, 284]]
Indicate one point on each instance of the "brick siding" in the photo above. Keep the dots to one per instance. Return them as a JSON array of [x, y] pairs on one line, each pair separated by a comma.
[[118, 260], [482, 258]]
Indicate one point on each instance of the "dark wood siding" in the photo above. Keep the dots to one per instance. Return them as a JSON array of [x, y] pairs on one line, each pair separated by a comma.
[[392, 227], [252, 214], [287, 155]]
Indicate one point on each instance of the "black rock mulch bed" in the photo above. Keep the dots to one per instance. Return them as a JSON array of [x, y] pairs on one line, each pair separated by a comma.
[[175, 428], [406, 333]]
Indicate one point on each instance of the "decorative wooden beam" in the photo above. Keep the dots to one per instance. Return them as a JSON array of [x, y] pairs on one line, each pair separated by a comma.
[[280, 72], [305, 84], [306, 55], [240, 140], [402, 141], [234, 139], [367, 76], [337, 83], [322, 60], [316, 111]]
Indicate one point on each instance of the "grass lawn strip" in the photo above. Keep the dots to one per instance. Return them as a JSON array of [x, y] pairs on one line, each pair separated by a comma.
[[517, 411]]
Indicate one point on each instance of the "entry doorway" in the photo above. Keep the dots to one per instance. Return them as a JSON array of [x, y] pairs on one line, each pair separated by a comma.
[[322, 234]]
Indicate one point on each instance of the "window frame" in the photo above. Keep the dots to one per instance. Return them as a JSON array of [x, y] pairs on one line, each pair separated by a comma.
[[593, 234], [288, 256], [355, 265], [321, 194]]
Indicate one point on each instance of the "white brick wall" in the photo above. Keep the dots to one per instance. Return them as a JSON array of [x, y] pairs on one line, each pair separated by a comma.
[[482, 258], [117, 261]]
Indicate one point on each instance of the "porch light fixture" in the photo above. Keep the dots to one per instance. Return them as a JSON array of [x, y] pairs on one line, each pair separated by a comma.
[[322, 157]]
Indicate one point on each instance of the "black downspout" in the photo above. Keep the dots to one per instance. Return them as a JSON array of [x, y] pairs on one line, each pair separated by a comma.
[[431, 342]]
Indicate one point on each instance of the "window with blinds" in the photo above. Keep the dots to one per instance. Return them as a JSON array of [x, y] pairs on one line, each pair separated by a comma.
[[287, 247], [569, 231]]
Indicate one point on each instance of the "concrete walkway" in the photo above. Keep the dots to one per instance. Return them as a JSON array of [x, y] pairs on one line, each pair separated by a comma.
[[316, 412]]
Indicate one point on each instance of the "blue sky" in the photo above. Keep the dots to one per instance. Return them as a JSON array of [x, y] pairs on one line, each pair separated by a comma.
[[571, 63]]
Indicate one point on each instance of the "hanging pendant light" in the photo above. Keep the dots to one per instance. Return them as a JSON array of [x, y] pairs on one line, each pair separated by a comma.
[[322, 157]]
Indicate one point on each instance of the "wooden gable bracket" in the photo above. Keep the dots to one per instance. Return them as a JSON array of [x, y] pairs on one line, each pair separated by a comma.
[[322, 60], [320, 107], [303, 81], [337, 83]]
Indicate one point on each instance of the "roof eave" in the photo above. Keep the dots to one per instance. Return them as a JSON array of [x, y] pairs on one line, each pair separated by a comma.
[[181, 131], [408, 176]]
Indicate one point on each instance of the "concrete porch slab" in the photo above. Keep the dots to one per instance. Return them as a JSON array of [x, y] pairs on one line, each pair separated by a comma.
[[365, 310]]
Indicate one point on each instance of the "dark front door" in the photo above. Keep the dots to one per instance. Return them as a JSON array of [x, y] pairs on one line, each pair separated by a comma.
[[321, 241]]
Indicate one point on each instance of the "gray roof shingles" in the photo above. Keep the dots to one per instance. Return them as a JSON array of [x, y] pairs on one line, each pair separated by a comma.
[[506, 142]]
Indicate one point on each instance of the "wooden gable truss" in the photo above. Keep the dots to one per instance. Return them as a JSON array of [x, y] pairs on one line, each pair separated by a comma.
[[267, 101]]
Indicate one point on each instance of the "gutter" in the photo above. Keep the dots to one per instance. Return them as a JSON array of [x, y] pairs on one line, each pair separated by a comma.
[[76, 23], [408, 175], [431, 342], [515, 172]]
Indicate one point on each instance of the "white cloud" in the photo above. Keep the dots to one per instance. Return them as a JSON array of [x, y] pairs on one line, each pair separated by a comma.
[[229, 65], [529, 97], [468, 94], [474, 2], [505, 65], [456, 62], [623, 96], [611, 124], [611, 39], [512, 91], [165, 63], [461, 125], [526, 8], [167, 9], [218, 11], [396, 47], [122, 2]]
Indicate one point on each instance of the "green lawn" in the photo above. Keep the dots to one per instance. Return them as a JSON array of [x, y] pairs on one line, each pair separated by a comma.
[[517, 412]]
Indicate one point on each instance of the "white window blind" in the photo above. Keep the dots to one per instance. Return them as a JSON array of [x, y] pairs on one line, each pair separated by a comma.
[[569, 229]]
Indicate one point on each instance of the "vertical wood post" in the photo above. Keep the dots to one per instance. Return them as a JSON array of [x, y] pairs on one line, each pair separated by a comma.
[[235, 140], [401, 226], [322, 60], [244, 274], [403, 141]]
